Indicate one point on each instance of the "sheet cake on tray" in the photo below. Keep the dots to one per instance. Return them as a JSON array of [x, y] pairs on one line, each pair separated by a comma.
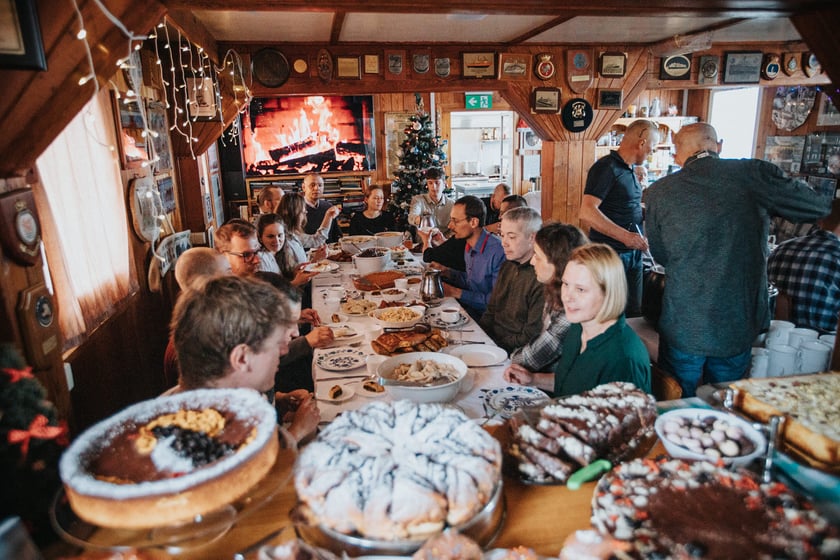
[[811, 408]]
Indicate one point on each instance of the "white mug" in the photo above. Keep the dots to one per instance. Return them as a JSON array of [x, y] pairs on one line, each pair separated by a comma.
[[800, 334], [450, 315], [815, 356], [778, 332], [401, 284], [332, 304], [759, 361], [784, 360], [335, 293]]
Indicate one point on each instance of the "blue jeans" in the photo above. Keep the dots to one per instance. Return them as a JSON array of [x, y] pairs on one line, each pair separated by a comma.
[[634, 271], [690, 369]]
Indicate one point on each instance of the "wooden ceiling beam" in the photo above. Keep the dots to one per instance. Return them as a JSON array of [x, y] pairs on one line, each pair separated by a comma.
[[684, 8], [697, 40], [539, 29], [195, 31], [337, 24]]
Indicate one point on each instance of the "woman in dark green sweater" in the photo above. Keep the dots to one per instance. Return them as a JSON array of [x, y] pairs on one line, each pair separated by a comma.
[[600, 347]]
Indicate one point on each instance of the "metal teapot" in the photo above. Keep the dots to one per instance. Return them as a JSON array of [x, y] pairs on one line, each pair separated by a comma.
[[431, 287]]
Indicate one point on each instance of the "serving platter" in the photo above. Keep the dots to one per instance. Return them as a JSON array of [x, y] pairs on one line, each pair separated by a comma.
[[341, 359], [505, 401]]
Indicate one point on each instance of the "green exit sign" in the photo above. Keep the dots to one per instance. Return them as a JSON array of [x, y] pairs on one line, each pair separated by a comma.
[[478, 100]]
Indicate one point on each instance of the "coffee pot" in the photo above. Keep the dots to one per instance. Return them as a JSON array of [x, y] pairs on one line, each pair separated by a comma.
[[431, 287]]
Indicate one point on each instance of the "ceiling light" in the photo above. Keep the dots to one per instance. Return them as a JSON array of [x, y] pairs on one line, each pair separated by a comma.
[[466, 17]]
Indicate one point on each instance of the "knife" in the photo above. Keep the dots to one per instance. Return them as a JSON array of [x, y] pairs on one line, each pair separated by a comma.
[[360, 376]]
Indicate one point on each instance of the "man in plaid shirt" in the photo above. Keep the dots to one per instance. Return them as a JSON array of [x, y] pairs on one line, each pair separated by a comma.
[[807, 269]]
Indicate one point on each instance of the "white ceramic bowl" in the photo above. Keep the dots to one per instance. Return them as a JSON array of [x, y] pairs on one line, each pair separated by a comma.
[[393, 294], [376, 263], [389, 238], [676, 448], [352, 244], [437, 393], [417, 317]]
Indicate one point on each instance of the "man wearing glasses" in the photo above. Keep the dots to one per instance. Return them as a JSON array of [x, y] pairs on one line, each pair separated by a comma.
[[612, 204], [237, 240]]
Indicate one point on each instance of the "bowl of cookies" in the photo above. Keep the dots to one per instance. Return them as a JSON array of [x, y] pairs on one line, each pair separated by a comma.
[[709, 435]]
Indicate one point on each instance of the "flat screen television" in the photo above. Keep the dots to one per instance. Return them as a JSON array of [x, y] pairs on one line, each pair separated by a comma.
[[295, 135]]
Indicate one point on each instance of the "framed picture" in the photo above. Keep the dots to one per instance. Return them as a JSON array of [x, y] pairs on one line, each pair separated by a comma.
[[478, 65], [610, 98], [371, 64], [348, 67], [828, 114], [202, 99], [167, 193], [824, 185], [20, 36], [742, 67], [395, 125], [545, 100], [130, 127], [514, 66], [156, 115], [613, 64], [395, 65]]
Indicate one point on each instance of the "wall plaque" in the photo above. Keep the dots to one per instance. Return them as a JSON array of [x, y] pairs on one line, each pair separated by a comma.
[[677, 67], [579, 71]]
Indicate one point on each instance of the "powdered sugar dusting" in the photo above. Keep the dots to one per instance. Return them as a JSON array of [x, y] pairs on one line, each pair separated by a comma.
[[246, 404]]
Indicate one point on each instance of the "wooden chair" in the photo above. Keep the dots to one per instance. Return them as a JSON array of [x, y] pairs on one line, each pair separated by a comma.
[[835, 356], [664, 386]]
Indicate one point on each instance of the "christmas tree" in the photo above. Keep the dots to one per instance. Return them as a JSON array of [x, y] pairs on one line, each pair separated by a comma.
[[420, 150]]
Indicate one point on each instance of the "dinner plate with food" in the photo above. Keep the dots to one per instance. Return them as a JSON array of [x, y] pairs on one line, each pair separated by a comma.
[[322, 266], [369, 388], [346, 333], [341, 359], [358, 307], [504, 401], [335, 393]]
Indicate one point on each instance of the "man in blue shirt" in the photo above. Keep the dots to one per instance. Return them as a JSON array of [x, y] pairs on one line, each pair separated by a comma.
[[612, 204], [483, 256]]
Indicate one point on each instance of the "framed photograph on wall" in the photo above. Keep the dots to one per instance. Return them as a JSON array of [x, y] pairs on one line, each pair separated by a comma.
[[348, 67], [613, 64], [20, 36], [742, 67], [514, 66], [156, 115], [545, 100], [371, 64], [202, 99], [828, 114], [478, 64], [130, 139], [610, 99]]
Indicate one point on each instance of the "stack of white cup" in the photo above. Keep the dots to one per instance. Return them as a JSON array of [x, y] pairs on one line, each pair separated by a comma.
[[790, 350]]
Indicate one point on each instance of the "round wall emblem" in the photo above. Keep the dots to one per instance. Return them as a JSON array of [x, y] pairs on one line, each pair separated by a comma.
[[544, 67], [771, 66], [577, 114], [270, 67], [677, 67]]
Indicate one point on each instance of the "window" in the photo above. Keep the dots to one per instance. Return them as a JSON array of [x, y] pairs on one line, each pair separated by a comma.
[[82, 206], [734, 114]]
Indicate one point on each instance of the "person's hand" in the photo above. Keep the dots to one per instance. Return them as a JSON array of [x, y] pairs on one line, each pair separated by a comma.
[[305, 419], [515, 373], [495, 227], [451, 291], [287, 403], [330, 215], [636, 241], [318, 254], [302, 277], [425, 237], [437, 266], [320, 337], [437, 238], [310, 316]]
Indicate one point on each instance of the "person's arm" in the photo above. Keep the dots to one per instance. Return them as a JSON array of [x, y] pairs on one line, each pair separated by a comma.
[[478, 295], [789, 198], [298, 348], [591, 216], [532, 326], [311, 240], [416, 210], [517, 374], [546, 349]]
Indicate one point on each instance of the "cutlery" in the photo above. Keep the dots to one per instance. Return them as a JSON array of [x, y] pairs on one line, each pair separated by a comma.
[[256, 545], [338, 378], [386, 381]]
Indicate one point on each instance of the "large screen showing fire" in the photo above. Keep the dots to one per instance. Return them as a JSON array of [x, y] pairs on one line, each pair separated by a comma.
[[294, 135]]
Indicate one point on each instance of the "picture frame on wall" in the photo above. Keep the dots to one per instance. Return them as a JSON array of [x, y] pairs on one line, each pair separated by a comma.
[[20, 36], [613, 64], [156, 115], [514, 66], [348, 67], [478, 64], [202, 98], [742, 67], [828, 114], [545, 100], [371, 64], [130, 139], [610, 99]]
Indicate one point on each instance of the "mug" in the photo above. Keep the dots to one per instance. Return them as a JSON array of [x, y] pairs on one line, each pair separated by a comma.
[[332, 304], [450, 315], [815, 356], [401, 283], [778, 332], [335, 293], [784, 360], [799, 335], [759, 361]]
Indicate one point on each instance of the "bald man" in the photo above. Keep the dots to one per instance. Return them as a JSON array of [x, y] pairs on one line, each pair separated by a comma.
[[708, 225], [197, 265], [612, 204]]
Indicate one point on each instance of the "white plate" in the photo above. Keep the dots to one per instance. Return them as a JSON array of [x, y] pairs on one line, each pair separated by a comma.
[[478, 355], [322, 266], [433, 317], [341, 359], [367, 304], [323, 393], [362, 392], [504, 401], [357, 330]]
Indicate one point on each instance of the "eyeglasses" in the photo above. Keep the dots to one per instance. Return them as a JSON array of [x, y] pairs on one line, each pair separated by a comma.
[[247, 255], [457, 221]]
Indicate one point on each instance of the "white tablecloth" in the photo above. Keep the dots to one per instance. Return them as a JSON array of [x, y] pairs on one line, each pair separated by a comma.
[[478, 378]]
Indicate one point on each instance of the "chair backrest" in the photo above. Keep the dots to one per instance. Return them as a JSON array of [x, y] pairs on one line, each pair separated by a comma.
[[664, 386]]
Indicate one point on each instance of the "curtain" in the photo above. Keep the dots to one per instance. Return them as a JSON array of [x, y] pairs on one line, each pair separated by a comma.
[[82, 209]]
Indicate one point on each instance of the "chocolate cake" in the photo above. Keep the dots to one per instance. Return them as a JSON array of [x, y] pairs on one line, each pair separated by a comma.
[[608, 422], [171, 458], [678, 509]]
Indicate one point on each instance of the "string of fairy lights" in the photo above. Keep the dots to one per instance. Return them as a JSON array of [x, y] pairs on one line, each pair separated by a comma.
[[188, 76]]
